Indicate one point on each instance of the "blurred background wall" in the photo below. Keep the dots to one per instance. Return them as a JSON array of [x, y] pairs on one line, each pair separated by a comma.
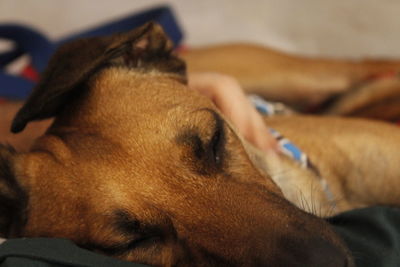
[[334, 28]]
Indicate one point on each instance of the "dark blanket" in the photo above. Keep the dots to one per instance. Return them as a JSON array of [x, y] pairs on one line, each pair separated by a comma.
[[372, 234]]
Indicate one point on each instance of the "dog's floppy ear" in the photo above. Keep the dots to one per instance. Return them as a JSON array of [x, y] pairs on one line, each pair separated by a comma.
[[143, 49], [13, 199]]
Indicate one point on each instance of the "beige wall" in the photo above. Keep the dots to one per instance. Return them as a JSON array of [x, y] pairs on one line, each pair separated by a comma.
[[344, 28]]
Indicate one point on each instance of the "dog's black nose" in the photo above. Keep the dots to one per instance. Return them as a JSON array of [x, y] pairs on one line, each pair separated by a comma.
[[324, 253], [316, 252]]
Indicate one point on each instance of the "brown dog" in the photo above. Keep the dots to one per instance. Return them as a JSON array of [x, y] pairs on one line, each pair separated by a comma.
[[352, 87], [138, 167]]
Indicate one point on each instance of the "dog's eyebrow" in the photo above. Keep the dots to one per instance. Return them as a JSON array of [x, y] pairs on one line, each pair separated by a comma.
[[219, 122], [187, 136], [215, 114]]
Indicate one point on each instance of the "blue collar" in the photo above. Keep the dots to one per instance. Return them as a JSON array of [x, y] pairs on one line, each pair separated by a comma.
[[270, 109]]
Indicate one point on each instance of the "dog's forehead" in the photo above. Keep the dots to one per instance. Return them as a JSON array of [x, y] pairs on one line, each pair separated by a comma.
[[140, 98], [145, 111], [129, 119]]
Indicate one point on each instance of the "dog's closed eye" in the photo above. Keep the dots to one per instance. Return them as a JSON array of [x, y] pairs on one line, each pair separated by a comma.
[[215, 146], [137, 235], [208, 151]]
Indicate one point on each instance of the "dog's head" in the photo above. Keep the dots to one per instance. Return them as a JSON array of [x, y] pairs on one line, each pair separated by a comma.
[[138, 166]]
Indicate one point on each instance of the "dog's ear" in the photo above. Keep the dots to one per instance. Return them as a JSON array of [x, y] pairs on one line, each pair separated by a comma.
[[13, 198], [142, 49]]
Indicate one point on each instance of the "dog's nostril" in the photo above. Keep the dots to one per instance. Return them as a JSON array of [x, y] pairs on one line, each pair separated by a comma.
[[328, 255], [313, 252]]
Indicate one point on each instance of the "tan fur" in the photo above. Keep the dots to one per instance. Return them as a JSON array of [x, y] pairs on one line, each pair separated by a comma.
[[357, 158], [303, 82], [131, 161], [378, 100], [84, 169], [295, 80], [24, 140]]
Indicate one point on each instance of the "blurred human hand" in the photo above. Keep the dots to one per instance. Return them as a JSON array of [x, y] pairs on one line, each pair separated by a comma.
[[228, 96]]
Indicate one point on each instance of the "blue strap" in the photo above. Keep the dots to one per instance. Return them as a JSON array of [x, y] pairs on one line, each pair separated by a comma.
[[13, 87], [39, 48], [29, 41], [269, 109], [9, 56]]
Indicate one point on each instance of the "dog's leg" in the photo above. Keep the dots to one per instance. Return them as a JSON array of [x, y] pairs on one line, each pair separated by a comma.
[[357, 158], [281, 77], [377, 100]]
